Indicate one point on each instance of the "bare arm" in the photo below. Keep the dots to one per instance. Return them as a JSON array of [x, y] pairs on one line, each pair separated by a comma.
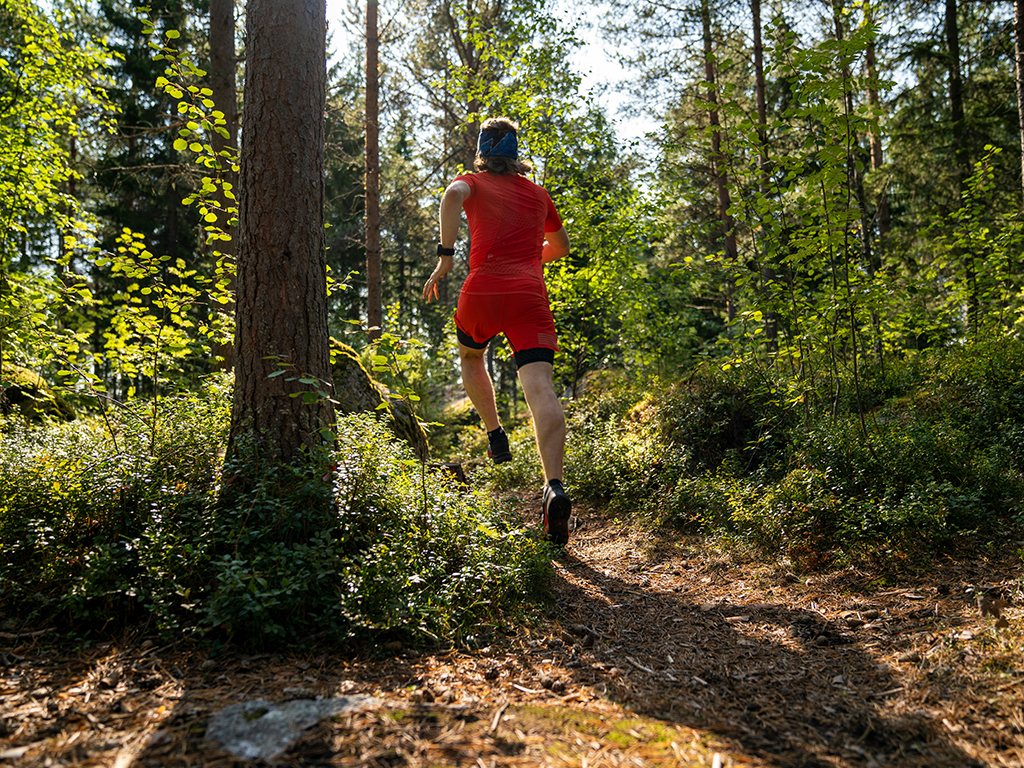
[[556, 245], [449, 217]]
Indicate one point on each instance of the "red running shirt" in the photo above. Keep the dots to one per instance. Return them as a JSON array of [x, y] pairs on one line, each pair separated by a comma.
[[508, 216]]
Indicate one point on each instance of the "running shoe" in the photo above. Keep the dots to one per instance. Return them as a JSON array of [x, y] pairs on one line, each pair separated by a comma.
[[557, 510], [497, 448]]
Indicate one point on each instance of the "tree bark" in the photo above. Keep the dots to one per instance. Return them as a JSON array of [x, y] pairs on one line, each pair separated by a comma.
[[875, 137], [1018, 49], [718, 159], [956, 93], [374, 280], [225, 97], [761, 99], [768, 268], [222, 70], [281, 316], [874, 264], [960, 150]]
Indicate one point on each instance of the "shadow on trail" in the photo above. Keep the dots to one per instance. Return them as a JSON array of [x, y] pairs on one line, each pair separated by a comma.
[[809, 696]]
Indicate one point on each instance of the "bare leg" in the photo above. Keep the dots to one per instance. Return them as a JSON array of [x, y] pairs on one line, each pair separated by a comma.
[[478, 385], [548, 419]]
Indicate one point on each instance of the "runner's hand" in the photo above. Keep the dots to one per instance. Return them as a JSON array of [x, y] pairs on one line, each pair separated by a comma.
[[444, 266]]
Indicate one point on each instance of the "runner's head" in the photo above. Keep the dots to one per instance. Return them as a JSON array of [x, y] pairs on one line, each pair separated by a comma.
[[497, 148]]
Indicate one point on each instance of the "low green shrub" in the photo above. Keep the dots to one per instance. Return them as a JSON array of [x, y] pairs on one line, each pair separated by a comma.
[[721, 452], [523, 473], [701, 504], [397, 551], [362, 544], [615, 462], [726, 415], [76, 499]]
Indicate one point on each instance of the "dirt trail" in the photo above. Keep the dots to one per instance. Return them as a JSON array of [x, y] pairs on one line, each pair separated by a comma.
[[659, 653]]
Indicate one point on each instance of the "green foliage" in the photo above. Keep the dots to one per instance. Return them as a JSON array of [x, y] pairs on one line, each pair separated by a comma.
[[154, 323], [215, 198], [87, 522], [396, 553], [974, 259], [51, 82], [724, 453], [613, 310], [53, 86], [522, 52], [358, 545], [35, 314], [524, 471]]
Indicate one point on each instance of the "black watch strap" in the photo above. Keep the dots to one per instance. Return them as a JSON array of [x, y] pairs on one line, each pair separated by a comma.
[[442, 251]]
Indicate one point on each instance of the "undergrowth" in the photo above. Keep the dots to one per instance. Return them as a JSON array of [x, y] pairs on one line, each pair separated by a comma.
[[725, 452], [101, 529]]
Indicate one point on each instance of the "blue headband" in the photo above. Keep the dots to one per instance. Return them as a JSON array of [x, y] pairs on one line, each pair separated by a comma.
[[488, 144]]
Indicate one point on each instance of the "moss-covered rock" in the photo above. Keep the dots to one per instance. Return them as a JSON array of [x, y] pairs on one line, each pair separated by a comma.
[[26, 392], [357, 392]]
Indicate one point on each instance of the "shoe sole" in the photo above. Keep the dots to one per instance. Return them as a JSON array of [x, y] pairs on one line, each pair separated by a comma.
[[501, 458], [557, 514]]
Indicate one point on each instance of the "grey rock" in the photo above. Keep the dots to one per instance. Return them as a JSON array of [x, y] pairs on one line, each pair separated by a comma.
[[261, 730]]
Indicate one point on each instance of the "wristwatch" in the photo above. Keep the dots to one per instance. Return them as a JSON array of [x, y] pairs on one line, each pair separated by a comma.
[[442, 251]]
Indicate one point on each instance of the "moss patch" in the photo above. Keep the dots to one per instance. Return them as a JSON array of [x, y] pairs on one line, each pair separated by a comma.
[[26, 392]]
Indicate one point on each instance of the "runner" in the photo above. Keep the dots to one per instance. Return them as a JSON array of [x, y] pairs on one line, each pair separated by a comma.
[[514, 230]]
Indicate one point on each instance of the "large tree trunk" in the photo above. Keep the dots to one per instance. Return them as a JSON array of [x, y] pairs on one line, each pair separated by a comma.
[[281, 316], [225, 97], [374, 280], [718, 159]]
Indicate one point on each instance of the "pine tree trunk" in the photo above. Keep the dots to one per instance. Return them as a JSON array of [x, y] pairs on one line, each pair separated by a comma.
[[222, 68], [956, 94], [1018, 48], [718, 160], [874, 265], [875, 137], [281, 315], [962, 159], [768, 268], [225, 97], [374, 280]]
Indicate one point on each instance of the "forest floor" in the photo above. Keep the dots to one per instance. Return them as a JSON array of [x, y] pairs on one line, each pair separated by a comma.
[[657, 652]]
